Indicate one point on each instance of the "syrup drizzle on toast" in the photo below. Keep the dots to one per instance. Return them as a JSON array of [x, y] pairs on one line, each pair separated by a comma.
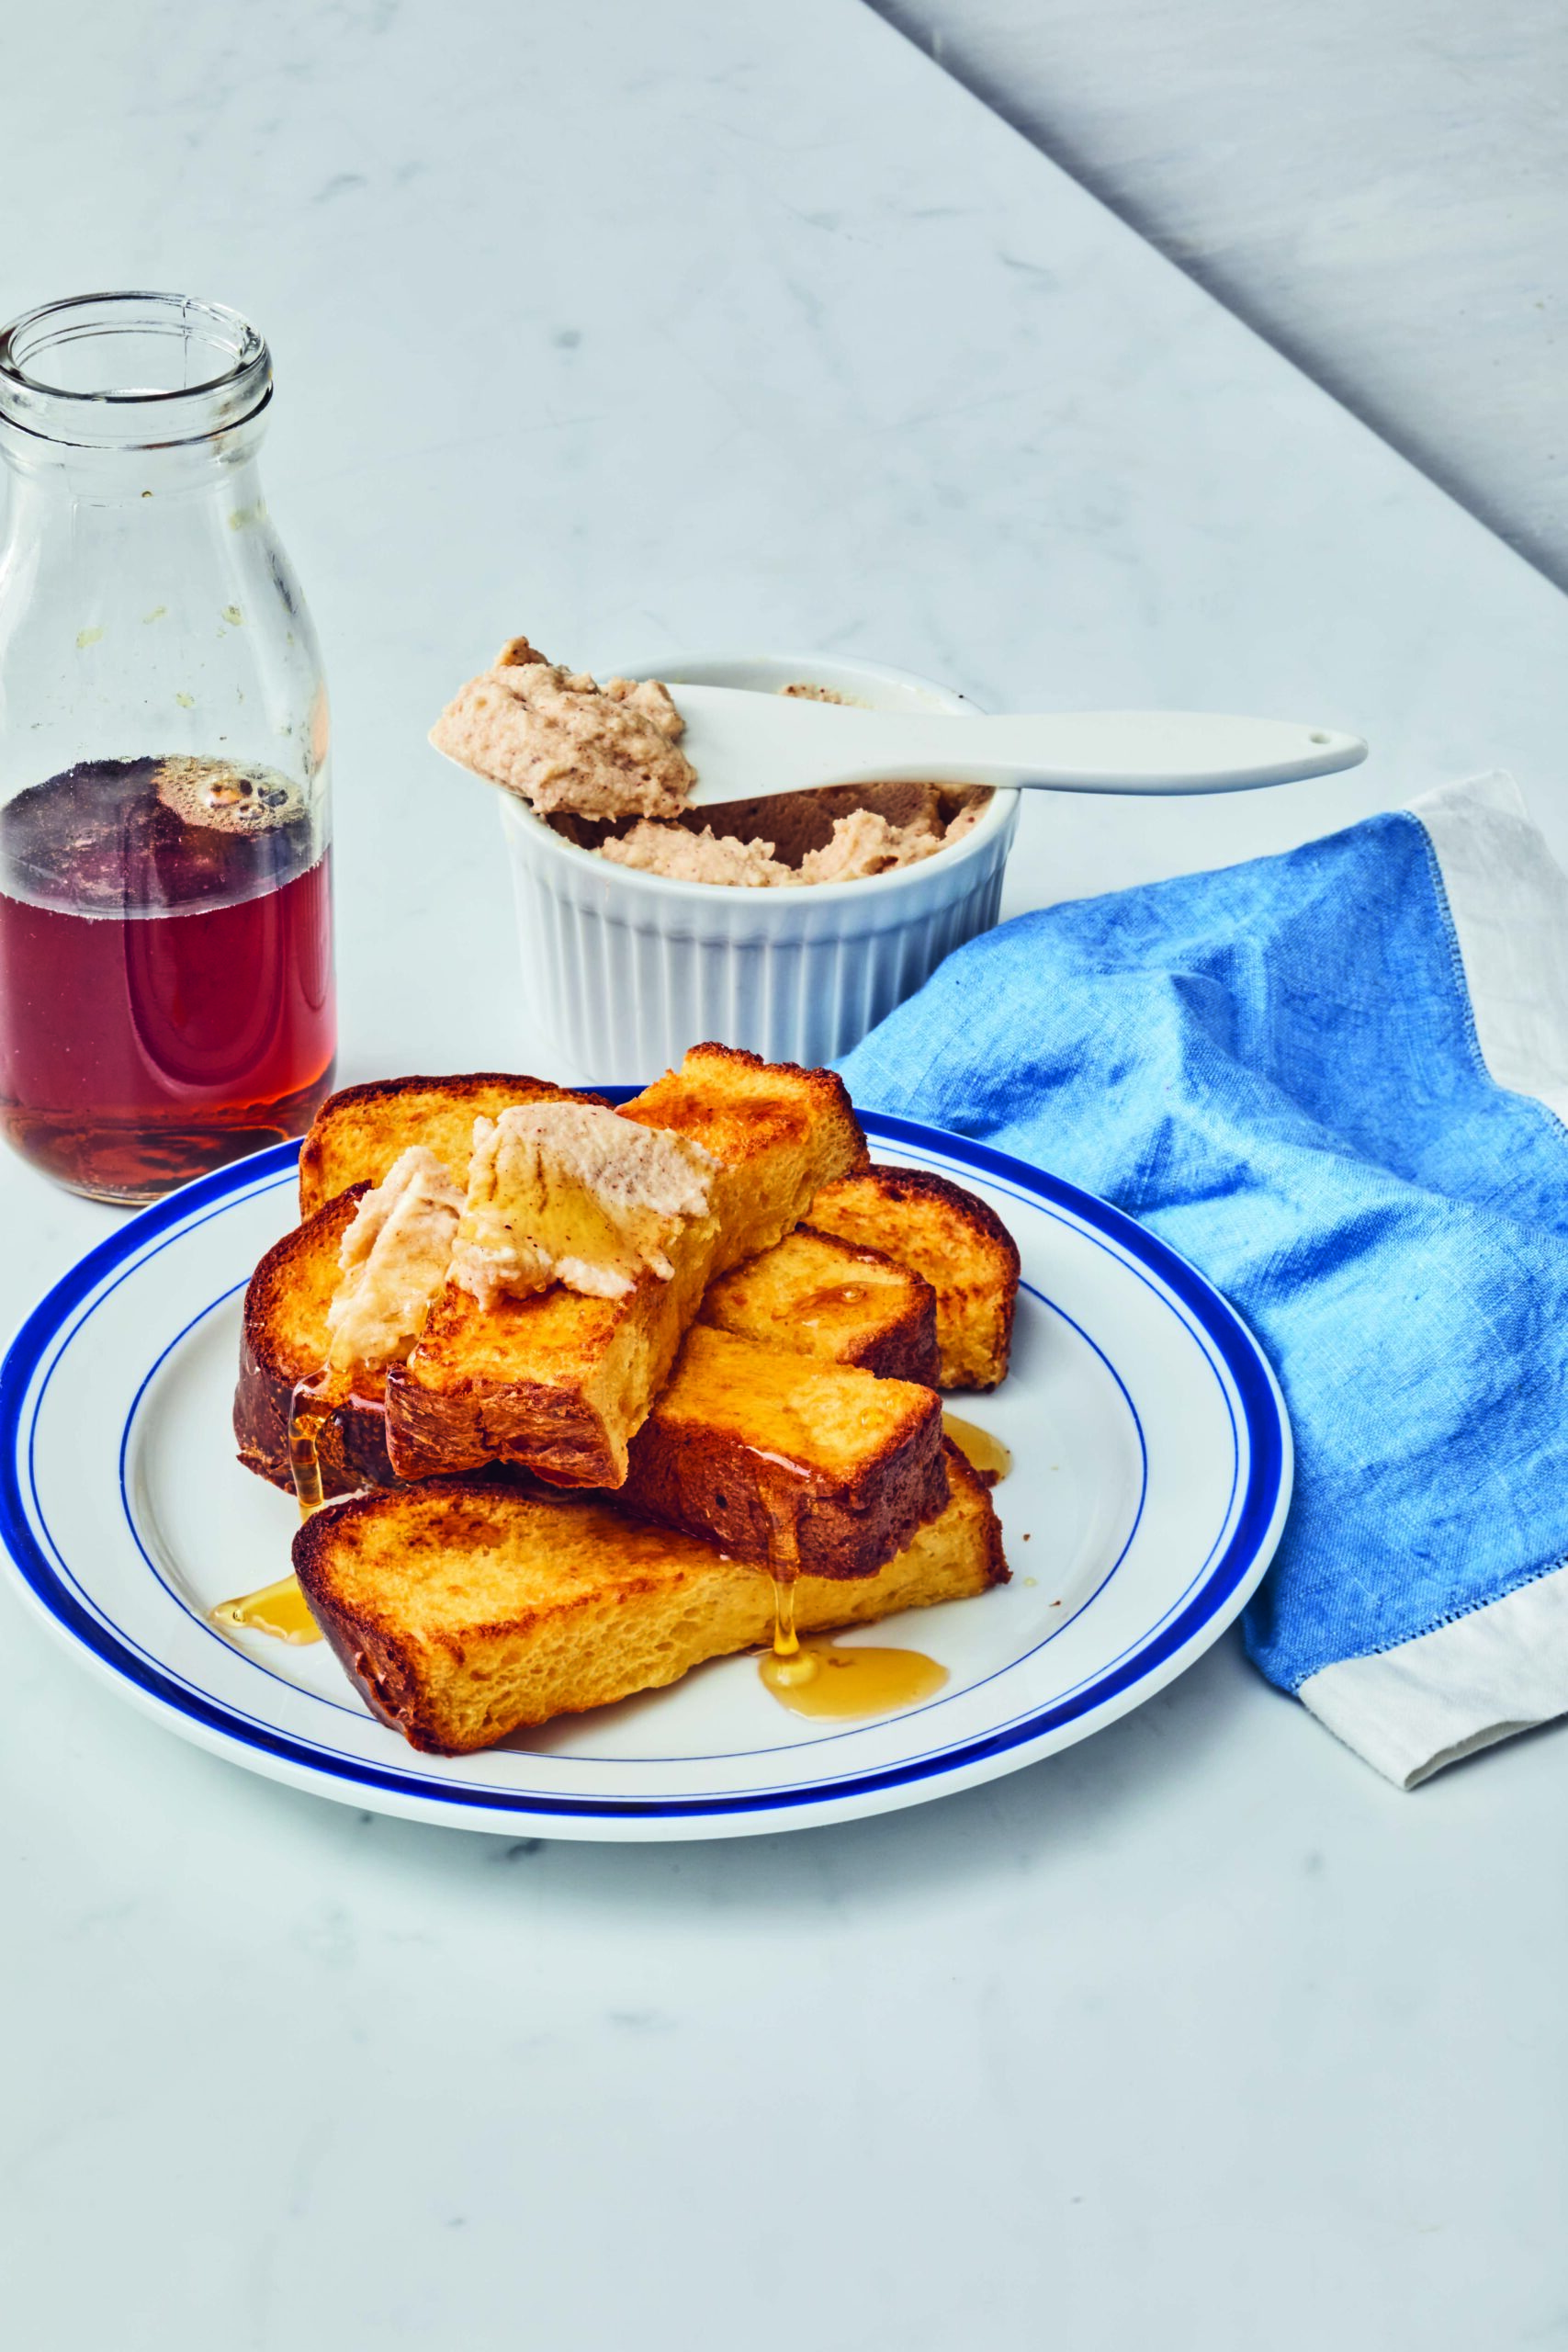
[[787, 1665], [281, 1609], [310, 1407], [822, 1678], [822, 1302]]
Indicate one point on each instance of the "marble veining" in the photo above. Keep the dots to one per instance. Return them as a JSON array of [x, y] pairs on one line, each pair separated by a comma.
[[1376, 185]]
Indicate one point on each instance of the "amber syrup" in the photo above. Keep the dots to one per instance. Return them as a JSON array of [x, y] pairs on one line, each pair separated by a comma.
[[821, 1677], [166, 983], [281, 1609]]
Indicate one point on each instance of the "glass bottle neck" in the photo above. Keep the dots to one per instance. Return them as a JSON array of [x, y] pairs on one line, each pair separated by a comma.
[[47, 472]]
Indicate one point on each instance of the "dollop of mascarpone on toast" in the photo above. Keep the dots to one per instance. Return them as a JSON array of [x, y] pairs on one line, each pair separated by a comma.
[[394, 1258], [572, 1192]]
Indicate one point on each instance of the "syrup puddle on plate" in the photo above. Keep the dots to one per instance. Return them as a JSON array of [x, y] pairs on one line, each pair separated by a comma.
[[821, 1677], [983, 1451], [848, 1682], [279, 1608]]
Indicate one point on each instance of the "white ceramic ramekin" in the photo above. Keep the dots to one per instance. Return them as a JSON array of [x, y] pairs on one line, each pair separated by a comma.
[[623, 971]]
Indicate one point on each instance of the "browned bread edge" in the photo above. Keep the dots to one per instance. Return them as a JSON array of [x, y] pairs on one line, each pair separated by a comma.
[[963, 1478], [922, 1184], [557, 1434], [908, 1351], [759, 1506]]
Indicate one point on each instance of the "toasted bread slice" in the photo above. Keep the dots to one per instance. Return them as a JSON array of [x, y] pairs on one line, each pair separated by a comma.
[[560, 1383], [357, 1133], [284, 1341], [775, 1128], [464, 1612], [821, 1297], [797, 1464], [960, 1245]]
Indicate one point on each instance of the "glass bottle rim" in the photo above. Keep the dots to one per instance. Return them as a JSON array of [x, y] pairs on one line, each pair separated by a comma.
[[76, 371]]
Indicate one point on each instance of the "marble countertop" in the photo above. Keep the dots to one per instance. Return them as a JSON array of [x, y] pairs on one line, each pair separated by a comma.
[[1376, 185], [679, 327]]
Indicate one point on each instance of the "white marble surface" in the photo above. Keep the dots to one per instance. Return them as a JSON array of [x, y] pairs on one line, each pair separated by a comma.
[[1375, 185], [679, 324]]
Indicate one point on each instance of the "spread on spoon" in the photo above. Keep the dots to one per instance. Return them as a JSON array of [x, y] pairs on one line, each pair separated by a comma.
[[559, 740], [602, 764]]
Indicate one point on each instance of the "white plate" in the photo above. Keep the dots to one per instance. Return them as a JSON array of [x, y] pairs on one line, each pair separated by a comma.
[[1152, 1475]]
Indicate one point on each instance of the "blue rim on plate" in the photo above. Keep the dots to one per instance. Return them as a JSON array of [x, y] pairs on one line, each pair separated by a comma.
[[1215, 1596]]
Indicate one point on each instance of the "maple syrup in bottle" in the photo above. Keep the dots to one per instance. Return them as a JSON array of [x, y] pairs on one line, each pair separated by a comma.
[[166, 983], [166, 995]]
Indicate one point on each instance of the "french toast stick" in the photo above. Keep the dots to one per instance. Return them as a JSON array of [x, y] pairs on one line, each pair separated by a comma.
[[957, 1243], [359, 1132], [804, 1467], [819, 1296], [560, 1383], [464, 1611]]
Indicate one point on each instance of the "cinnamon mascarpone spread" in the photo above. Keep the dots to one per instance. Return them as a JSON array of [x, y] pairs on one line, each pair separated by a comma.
[[559, 740], [572, 1192], [564, 1193], [394, 1258], [574, 748], [863, 843]]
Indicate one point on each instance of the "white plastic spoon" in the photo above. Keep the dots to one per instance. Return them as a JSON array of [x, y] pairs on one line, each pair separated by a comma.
[[749, 746]]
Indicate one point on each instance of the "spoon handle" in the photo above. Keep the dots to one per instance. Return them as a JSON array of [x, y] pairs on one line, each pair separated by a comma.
[[748, 746], [1164, 751]]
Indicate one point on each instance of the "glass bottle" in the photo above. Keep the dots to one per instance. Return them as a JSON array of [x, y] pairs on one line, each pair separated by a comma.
[[165, 916]]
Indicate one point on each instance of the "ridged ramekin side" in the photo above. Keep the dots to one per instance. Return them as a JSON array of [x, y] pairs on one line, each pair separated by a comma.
[[623, 972]]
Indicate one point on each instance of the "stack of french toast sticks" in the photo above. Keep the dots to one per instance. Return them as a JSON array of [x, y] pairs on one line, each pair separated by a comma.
[[581, 1394]]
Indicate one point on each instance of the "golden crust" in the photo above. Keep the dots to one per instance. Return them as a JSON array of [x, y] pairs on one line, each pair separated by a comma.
[[786, 1460], [819, 1296], [957, 1243], [738, 1106], [358, 1131], [547, 1382]]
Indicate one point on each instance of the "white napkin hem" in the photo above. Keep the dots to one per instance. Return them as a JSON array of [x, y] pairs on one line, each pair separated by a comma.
[[1501, 1668], [1409, 1711], [1509, 899]]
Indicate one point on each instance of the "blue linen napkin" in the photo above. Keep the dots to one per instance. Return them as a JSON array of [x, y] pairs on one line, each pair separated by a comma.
[[1290, 1069]]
